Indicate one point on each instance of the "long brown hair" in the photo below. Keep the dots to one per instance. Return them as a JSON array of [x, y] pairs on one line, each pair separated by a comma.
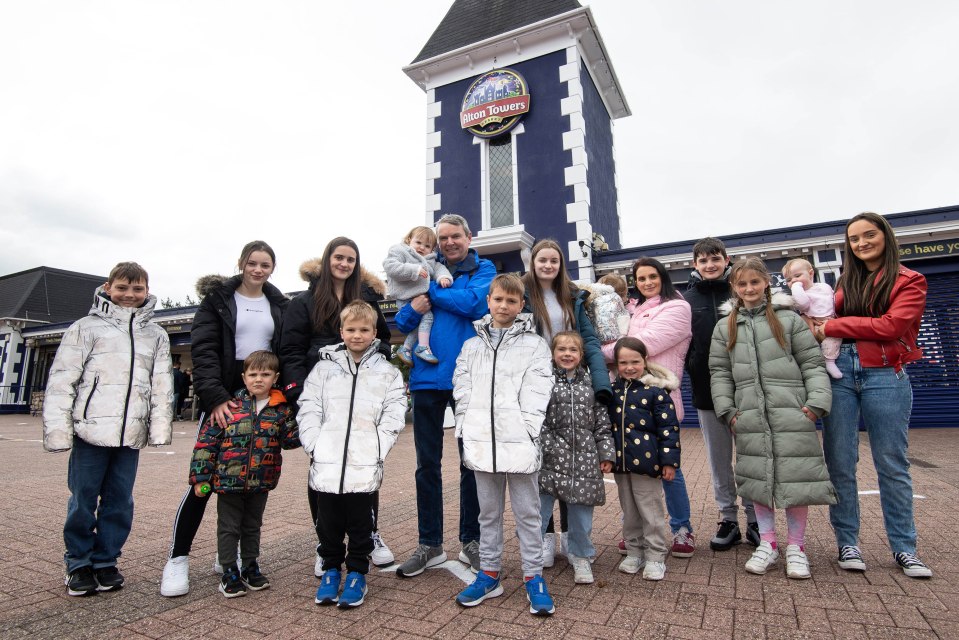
[[563, 287], [326, 306], [757, 265], [867, 293]]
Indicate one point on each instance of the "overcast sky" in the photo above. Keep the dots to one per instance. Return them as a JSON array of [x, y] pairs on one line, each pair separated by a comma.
[[171, 133]]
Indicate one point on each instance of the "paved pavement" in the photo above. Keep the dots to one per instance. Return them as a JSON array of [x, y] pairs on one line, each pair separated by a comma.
[[706, 596]]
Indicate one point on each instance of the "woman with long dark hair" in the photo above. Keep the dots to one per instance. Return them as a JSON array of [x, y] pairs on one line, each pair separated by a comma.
[[663, 322], [313, 322], [236, 317], [559, 305], [879, 305]]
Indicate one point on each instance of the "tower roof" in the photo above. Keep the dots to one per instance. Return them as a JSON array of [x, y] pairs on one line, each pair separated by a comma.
[[470, 21]]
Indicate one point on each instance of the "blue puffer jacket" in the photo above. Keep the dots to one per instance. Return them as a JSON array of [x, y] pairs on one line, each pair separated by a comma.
[[454, 310], [594, 361], [645, 430]]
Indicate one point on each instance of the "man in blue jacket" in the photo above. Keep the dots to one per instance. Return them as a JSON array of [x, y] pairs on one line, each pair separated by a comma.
[[431, 385]]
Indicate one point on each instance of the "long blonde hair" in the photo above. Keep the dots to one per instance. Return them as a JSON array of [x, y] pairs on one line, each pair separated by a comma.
[[757, 265]]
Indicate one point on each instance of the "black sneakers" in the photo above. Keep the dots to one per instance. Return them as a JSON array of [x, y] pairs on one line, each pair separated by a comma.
[[252, 577], [108, 578], [727, 535], [752, 534], [912, 566], [81, 582], [231, 585]]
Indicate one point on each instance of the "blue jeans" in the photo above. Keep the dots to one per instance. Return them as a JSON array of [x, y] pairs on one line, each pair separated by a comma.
[[429, 406], [580, 525], [677, 502], [100, 508], [884, 398]]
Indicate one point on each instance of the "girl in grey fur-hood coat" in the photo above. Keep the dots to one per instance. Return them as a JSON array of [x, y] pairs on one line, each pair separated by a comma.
[[762, 391]]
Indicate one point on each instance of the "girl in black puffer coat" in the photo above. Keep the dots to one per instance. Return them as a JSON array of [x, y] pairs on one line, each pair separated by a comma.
[[223, 334], [577, 449]]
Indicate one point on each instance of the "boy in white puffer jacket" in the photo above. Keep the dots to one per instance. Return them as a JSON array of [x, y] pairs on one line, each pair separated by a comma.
[[109, 394], [352, 410], [501, 387]]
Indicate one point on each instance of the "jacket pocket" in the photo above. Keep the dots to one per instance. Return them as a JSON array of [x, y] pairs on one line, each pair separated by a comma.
[[86, 406]]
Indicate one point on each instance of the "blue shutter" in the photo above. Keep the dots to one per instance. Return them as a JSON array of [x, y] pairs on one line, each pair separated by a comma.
[[935, 378]]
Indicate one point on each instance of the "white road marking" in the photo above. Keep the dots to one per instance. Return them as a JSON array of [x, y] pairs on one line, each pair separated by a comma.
[[162, 453], [18, 439], [875, 492], [455, 567]]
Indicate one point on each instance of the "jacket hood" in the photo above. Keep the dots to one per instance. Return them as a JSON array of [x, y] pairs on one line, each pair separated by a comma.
[[311, 269], [781, 300], [659, 376], [522, 324], [205, 285], [339, 354], [594, 290], [105, 308]]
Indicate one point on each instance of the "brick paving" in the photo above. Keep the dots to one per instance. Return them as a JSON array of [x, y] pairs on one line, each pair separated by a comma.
[[707, 596]]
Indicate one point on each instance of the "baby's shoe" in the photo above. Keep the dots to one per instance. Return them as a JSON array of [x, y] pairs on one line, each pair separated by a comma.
[[423, 353], [833, 370], [405, 356]]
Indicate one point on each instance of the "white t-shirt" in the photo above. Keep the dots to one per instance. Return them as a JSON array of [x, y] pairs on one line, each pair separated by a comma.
[[254, 325]]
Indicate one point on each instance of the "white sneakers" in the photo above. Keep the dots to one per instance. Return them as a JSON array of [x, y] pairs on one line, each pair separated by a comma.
[[318, 566], [381, 556], [582, 571], [549, 550], [632, 564], [176, 577], [797, 564], [654, 571], [763, 557]]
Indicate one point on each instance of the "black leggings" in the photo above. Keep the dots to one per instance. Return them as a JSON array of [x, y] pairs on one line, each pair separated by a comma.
[[563, 519]]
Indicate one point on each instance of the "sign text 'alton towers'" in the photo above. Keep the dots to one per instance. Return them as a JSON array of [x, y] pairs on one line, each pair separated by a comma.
[[494, 103]]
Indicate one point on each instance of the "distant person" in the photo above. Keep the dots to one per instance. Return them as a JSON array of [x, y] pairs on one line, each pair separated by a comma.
[[236, 316], [815, 302], [502, 386], [241, 463], [312, 322], [879, 304], [181, 387], [410, 266], [431, 387], [707, 290], [769, 385], [110, 393]]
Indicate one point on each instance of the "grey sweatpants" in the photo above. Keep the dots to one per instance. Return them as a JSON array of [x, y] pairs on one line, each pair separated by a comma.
[[720, 447], [524, 500], [644, 515]]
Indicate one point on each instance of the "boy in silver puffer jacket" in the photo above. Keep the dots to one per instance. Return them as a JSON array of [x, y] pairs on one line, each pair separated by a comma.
[[110, 393]]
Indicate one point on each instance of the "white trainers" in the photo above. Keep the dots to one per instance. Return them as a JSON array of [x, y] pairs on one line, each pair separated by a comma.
[[582, 572], [797, 564], [763, 557], [549, 550], [632, 564], [562, 549], [654, 571], [217, 567], [381, 556], [176, 577]]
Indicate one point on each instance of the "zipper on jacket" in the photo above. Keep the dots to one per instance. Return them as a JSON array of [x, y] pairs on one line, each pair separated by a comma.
[[492, 398], [572, 420], [126, 405], [349, 421], [249, 454], [885, 360], [622, 426], [86, 407]]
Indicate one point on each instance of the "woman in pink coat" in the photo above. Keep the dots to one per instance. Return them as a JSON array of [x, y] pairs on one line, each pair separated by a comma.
[[663, 321]]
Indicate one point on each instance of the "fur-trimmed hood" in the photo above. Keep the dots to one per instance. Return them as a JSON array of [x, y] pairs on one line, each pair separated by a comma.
[[659, 376], [205, 285], [781, 300], [595, 290], [311, 269]]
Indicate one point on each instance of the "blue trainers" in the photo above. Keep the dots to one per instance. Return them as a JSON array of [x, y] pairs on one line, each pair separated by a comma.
[[329, 587], [483, 587], [354, 591], [405, 355], [540, 602]]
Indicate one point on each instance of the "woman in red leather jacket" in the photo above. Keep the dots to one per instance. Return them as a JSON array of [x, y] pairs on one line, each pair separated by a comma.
[[879, 304]]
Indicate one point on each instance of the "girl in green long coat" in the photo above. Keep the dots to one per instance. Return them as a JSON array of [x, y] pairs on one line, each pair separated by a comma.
[[769, 386]]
